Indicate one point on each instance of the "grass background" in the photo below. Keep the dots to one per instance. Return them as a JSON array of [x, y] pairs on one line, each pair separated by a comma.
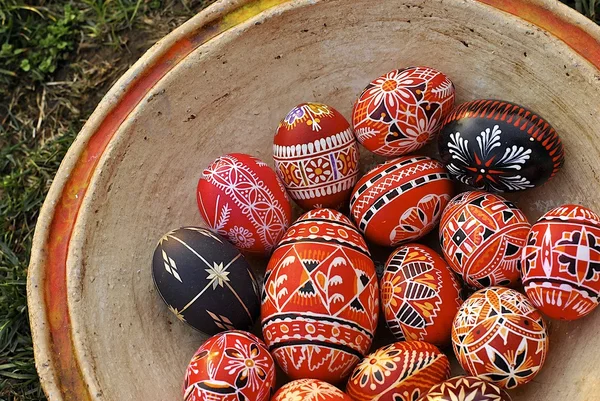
[[57, 60]]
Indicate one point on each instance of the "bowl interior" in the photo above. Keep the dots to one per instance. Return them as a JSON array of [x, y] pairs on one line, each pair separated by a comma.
[[229, 95]]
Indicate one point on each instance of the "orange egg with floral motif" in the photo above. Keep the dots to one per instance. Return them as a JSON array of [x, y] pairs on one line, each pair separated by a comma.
[[399, 112], [230, 366], [401, 371]]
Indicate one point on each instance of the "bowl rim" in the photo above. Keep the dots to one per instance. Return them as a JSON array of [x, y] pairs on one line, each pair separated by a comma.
[[56, 361]]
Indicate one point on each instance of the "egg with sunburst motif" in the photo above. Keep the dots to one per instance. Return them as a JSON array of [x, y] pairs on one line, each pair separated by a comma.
[[205, 281]]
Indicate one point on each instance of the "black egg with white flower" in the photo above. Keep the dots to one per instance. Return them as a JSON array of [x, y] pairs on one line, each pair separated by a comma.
[[499, 146], [205, 281]]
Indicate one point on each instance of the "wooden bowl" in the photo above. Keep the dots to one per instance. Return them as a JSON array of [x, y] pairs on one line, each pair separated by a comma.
[[219, 84]]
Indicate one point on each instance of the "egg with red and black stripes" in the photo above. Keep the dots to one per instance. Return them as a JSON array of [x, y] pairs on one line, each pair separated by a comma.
[[401, 200]]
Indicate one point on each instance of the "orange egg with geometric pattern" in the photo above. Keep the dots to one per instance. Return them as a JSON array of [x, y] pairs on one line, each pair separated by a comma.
[[401, 371], [420, 295], [316, 156], [399, 112], [230, 366], [561, 262], [482, 236], [500, 336], [309, 390], [320, 298]]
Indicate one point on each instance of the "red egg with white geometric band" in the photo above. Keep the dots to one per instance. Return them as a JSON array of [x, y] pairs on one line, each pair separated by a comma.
[[561, 262]]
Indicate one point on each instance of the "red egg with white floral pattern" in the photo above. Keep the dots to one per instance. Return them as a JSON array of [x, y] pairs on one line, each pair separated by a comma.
[[419, 295], [500, 336], [561, 262], [320, 298], [241, 198], [230, 366], [316, 156], [482, 236], [401, 371], [309, 390], [401, 200], [399, 112]]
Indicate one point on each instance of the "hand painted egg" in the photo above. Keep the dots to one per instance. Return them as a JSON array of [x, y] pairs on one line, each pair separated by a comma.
[[499, 336], [419, 295], [205, 281], [466, 388], [309, 390], [401, 111], [499, 146], [561, 262], [316, 156], [401, 371], [320, 298], [242, 199], [482, 236], [231, 366], [401, 200]]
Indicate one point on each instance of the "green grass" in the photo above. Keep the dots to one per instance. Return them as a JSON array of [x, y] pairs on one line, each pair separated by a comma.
[[57, 59]]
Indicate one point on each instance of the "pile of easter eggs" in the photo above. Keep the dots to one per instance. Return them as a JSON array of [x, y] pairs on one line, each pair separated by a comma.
[[320, 299]]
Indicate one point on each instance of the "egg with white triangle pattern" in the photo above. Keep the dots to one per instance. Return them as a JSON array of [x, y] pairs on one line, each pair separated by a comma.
[[205, 281], [320, 299]]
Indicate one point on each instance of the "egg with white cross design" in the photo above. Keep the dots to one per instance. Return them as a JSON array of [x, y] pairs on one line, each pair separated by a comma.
[[205, 281]]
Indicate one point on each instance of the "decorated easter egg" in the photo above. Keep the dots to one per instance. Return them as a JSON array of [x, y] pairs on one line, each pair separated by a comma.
[[401, 371], [499, 336], [230, 366], [320, 298], [499, 146], [401, 111], [316, 156], [400, 200], [482, 236], [241, 198], [309, 390], [466, 388], [205, 281], [419, 295], [561, 262]]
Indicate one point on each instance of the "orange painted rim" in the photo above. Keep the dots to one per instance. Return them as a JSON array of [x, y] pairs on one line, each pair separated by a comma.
[[59, 370]]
